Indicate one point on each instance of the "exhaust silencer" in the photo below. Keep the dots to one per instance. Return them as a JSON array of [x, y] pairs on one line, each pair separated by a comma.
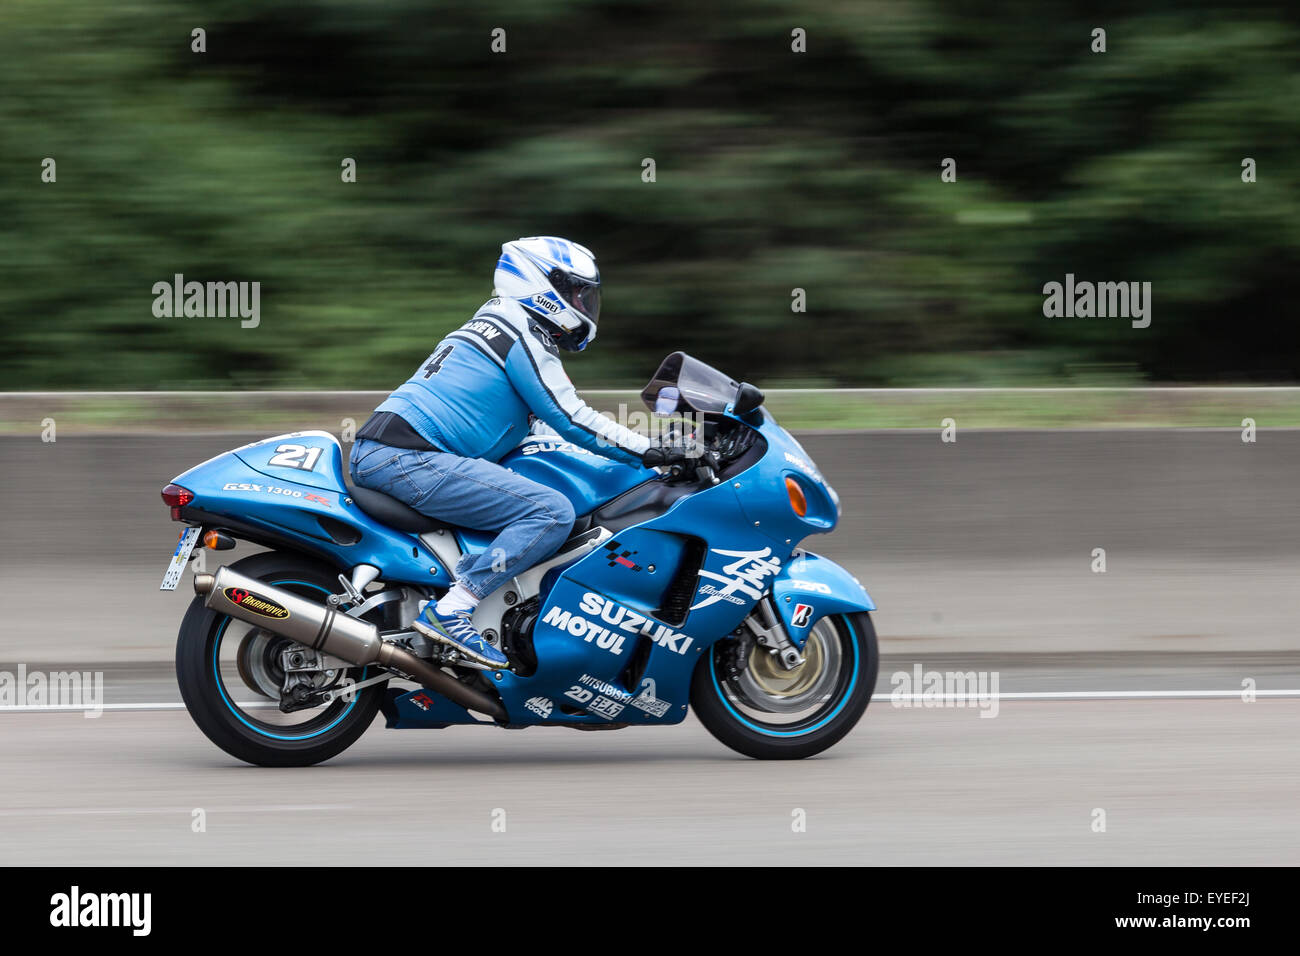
[[326, 629]]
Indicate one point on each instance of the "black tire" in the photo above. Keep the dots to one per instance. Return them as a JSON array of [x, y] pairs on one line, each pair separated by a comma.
[[824, 727], [206, 698]]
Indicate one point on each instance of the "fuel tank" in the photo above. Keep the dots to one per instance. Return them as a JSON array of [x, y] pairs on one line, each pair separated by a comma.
[[587, 479]]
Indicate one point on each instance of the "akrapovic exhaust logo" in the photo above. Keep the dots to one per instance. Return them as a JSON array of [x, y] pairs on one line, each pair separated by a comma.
[[258, 605]]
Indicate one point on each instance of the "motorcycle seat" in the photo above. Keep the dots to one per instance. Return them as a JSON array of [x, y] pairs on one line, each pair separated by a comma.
[[388, 510]]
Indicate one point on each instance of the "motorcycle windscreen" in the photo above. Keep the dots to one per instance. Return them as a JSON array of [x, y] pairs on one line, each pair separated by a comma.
[[700, 387]]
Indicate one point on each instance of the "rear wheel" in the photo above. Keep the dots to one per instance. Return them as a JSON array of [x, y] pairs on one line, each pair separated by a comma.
[[231, 676], [746, 699]]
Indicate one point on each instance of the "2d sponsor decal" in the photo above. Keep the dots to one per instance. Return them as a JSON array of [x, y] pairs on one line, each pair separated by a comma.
[[275, 490], [801, 614], [747, 575], [540, 706], [256, 603], [580, 694], [622, 558], [619, 619]]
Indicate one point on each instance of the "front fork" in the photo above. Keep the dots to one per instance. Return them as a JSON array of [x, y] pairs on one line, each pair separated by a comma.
[[770, 633]]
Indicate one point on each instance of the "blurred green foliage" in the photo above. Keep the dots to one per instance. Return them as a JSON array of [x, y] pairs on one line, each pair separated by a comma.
[[775, 170]]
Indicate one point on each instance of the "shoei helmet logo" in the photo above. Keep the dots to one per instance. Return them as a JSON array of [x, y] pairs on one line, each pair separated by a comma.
[[255, 603], [801, 614], [550, 305]]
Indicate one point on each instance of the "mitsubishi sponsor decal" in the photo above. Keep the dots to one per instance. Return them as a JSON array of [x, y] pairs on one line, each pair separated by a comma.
[[607, 700], [609, 623]]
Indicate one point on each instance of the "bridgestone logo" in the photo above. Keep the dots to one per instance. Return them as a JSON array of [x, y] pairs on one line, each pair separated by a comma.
[[250, 601]]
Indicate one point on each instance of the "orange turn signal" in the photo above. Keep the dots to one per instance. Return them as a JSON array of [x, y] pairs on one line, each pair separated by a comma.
[[216, 540], [797, 501]]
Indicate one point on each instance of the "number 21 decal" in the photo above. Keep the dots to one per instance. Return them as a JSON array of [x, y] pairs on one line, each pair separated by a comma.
[[295, 456]]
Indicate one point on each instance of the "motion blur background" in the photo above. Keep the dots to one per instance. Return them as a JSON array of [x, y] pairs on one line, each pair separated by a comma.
[[775, 170]]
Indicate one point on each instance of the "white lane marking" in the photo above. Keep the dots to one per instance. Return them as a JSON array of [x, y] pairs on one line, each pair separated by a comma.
[[94, 811]]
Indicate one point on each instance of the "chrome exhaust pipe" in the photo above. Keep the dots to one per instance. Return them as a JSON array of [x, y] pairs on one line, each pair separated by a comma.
[[327, 629]]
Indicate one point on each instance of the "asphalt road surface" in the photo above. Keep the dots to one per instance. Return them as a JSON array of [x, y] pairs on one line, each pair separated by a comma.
[[1178, 782]]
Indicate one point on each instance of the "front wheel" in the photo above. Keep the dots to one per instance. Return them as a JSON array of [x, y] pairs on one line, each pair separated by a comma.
[[746, 699]]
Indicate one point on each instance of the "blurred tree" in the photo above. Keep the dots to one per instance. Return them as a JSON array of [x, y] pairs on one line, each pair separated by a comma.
[[775, 170]]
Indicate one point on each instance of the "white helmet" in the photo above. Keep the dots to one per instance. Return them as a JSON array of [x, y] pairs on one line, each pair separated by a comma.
[[556, 280]]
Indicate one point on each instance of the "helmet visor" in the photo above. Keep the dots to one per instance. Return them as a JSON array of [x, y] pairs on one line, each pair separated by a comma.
[[586, 299], [582, 294]]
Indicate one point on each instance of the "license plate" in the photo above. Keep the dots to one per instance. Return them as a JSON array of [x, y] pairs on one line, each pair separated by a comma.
[[180, 557]]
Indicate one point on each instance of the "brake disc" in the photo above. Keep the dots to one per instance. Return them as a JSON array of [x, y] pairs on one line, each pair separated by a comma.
[[258, 660]]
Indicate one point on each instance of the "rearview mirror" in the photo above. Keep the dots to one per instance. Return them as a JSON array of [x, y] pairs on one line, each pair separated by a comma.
[[748, 398]]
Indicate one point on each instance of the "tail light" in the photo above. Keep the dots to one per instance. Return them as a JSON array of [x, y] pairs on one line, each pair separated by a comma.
[[176, 498]]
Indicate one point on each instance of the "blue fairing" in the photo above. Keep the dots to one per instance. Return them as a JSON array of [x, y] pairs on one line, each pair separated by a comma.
[[600, 615], [290, 488], [588, 480]]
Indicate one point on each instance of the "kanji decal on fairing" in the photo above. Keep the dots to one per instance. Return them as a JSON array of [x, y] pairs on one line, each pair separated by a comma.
[[748, 574]]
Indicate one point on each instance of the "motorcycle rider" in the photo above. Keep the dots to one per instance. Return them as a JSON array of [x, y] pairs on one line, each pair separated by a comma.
[[435, 441]]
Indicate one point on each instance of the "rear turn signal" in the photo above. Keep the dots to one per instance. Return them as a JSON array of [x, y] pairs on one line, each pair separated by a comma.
[[215, 540], [176, 498], [798, 503]]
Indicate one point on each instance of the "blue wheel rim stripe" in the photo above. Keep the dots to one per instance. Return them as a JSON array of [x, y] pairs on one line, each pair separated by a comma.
[[766, 731], [221, 688]]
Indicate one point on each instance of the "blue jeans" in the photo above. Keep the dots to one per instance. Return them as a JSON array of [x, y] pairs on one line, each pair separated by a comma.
[[532, 520]]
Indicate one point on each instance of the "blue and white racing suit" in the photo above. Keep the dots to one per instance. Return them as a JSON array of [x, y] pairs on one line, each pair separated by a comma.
[[434, 442]]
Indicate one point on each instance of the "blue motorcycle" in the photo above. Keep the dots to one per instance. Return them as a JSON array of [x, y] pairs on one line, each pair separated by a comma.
[[682, 586]]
